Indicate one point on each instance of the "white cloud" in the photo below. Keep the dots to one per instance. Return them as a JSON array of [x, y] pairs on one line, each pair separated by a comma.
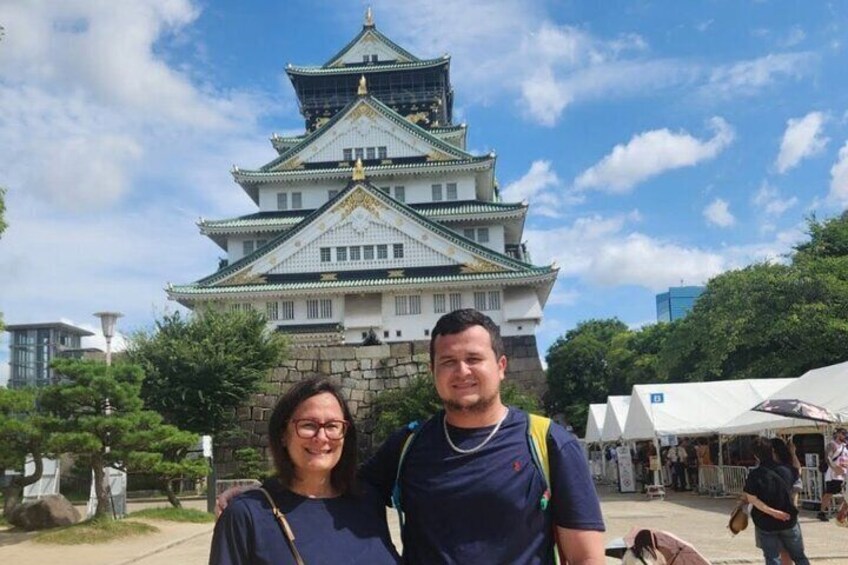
[[539, 187], [769, 201], [718, 213], [652, 153], [795, 36], [802, 138], [751, 76], [599, 251], [839, 178]]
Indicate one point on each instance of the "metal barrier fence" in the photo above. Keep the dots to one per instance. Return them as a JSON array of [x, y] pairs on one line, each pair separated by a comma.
[[709, 481], [812, 483], [732, 479]]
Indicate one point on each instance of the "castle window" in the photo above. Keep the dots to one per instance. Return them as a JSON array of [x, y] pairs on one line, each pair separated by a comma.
[[451, 190], [469, 233], [374, 58], [354, 253], [368, 252], [455, 301], [382, 251], [382, 153], [247, 247], [348, 154], [480, 300], [359, 153], [494, 300], [287, 310], [386, 189], [341, 254], [397, 251], [325, 255], [297, 201], [260, 243], [370, 153], [483, 235], [282, 201], [365, 58], [400, 194], [319, 309], [272, 310], [439, 304], [437, 192]]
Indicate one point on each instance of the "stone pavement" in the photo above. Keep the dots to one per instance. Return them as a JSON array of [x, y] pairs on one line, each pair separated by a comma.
[[697, 519]]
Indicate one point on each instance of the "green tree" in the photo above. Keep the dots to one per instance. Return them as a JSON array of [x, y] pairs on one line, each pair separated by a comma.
[[201, 368], [95, 413], [579, 371], [21, 435], [3, 224], [394, 409]]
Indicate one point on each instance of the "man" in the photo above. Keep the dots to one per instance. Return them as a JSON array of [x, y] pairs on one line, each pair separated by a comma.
[[470, 491], [677, 457], [836, 455], [768, 488]]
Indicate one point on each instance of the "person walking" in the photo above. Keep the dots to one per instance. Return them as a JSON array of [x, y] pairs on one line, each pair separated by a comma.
[[768, 488], [677, 457], [836, 456], [469, 488]]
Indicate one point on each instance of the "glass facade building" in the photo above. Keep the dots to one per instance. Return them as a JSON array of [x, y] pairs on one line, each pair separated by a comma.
[[677, 302], [34, 346]]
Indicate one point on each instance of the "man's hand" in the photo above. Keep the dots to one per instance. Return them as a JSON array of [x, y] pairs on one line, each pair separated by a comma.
[[223, 499]]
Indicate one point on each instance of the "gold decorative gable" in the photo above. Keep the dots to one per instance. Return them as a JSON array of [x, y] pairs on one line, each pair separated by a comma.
[[293, 163], [245, 278], [363, 111], [326, 277], [359, 199], [479, 266], [396, 274], [436, 155]]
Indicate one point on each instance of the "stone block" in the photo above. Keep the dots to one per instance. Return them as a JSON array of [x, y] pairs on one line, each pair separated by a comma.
[[400, 349], [325, 367], [337, 367], [369, 374], [421, 347], [336, 353], [351, 365], [357, 395], [365, 363], [373, 351]]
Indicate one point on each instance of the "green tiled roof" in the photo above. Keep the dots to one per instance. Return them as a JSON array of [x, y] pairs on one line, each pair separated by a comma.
[[399, 120], [433, 211], [527, 275], [373, 30], [364, 68], [467, 244], [242, 175]]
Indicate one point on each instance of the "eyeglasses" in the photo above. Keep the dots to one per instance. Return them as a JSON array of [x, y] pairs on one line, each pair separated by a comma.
[[308, 429]]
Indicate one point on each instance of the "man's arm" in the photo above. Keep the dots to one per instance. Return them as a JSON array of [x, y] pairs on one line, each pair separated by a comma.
[[583, 547], [764, 508]]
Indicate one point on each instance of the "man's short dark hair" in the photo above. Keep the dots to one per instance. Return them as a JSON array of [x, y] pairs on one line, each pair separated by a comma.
[[343, 475], [763, 451], [460, 320]]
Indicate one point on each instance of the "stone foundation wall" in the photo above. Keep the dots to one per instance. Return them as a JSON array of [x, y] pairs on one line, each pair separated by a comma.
[[363, 372]]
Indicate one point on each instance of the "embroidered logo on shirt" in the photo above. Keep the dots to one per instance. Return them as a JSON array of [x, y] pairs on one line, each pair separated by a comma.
[[516, 466]]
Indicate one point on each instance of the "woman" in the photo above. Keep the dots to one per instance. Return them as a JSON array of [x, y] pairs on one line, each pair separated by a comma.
[[768, 488], [313, 444]]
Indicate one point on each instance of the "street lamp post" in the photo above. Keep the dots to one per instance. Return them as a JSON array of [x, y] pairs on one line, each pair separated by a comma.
[[107, 323], [108, 320]]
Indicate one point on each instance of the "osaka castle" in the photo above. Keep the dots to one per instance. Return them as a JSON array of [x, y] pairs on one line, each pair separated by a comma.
[[376, 220]]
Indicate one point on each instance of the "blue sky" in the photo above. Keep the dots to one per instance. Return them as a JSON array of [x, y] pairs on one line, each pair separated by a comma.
[[657, 142]]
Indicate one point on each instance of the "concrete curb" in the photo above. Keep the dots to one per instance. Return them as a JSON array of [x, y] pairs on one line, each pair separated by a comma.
[[161, 548]]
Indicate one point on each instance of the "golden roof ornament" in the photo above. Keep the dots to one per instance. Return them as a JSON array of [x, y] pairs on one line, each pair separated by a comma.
[[363, 86], [369, 18], [358, 170]]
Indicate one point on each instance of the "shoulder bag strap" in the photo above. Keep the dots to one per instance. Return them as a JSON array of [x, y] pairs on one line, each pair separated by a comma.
[[284, 525]]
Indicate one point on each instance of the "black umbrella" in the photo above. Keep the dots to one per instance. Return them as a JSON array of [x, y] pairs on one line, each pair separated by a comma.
[[794, 408]]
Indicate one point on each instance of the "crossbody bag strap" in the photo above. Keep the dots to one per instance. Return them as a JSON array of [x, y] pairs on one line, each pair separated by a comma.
[[284, 525]]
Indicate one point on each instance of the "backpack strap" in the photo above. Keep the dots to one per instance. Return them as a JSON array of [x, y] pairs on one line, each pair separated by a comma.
[[284, 525], [413, 428], [537, 437]]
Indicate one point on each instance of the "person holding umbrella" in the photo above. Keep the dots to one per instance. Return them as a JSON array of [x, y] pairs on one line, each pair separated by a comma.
[[768, 488]]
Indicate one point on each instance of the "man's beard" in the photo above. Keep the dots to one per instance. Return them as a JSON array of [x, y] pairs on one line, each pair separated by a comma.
[[479, 406]]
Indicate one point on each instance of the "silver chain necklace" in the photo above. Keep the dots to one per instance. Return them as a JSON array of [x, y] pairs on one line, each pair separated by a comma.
[[479, 447]]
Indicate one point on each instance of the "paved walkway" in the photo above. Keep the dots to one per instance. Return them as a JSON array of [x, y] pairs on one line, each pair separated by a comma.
[[699, 520]]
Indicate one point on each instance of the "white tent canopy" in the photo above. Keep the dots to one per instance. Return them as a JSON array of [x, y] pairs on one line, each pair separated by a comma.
[[826, 387], [690, 409], [595, 422], [616, 415]]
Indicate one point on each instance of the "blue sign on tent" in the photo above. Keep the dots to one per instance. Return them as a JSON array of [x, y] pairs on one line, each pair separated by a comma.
[[657, 398]]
